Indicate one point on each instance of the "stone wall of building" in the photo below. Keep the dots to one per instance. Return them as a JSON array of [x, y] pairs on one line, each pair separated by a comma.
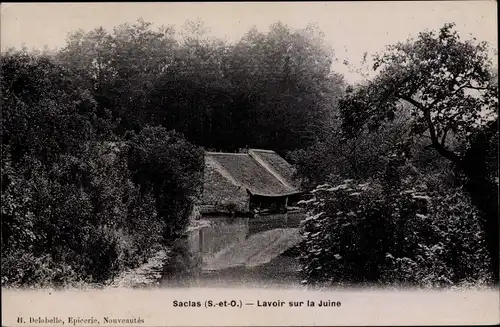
[[220, 192]]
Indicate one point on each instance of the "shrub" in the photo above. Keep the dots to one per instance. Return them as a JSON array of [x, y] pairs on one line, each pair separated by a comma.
[[359, 233], [25, 269], [450, 245], [82, 212]]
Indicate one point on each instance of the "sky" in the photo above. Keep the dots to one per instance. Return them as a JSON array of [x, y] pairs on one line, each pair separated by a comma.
[[351, 28]]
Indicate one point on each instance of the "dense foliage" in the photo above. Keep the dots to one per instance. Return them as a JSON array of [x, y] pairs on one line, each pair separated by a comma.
[[75, 208], [365, 233], [219, 95], [170, 168], [102, 151], [96, 172], [432, 108]]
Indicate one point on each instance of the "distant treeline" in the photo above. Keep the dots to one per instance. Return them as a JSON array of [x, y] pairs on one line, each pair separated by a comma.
[[268, 90]]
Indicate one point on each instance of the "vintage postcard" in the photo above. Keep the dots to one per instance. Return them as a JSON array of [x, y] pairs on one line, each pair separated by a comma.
[[249, 163]]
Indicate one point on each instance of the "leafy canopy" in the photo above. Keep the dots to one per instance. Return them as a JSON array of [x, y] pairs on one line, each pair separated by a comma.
[[447, 82]]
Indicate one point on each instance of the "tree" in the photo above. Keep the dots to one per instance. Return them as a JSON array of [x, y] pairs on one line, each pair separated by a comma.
[[219, 95], [70, 211], [334, 157], [44, 112], [284, 73], [448, 84], [120, 67], [165, 164]]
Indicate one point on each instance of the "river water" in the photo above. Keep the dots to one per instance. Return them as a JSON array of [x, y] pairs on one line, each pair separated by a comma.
[[282, 271]]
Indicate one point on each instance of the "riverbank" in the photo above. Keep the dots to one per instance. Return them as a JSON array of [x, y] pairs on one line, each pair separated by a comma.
[[148, 274]]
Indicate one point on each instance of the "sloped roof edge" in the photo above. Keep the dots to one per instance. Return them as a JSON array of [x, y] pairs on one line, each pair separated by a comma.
[[254, 154], [252, 172]]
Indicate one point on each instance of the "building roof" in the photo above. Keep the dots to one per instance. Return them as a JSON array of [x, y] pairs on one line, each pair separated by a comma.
[[260, 172]]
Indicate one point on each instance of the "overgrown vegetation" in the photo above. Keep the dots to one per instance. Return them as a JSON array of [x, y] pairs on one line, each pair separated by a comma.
[[79, 204], [413, 235], [102, 151], [425, 127]]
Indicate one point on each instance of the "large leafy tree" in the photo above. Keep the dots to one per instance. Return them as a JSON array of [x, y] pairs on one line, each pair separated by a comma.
[[447, 83], [284, 81], [219, 95], [120, 67], [44, 111], [191, 94], [70, 208]]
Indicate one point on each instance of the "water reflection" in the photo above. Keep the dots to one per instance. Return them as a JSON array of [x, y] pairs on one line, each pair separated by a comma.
[[283, 271], [218, 234]]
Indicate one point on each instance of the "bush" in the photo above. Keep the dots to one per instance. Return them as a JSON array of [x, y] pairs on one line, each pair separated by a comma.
[[450, 249], [25, 269], [82, 212], [364, 233]]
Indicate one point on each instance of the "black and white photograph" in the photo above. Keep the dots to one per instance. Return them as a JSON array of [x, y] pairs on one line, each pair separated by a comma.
[[269, 146]]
